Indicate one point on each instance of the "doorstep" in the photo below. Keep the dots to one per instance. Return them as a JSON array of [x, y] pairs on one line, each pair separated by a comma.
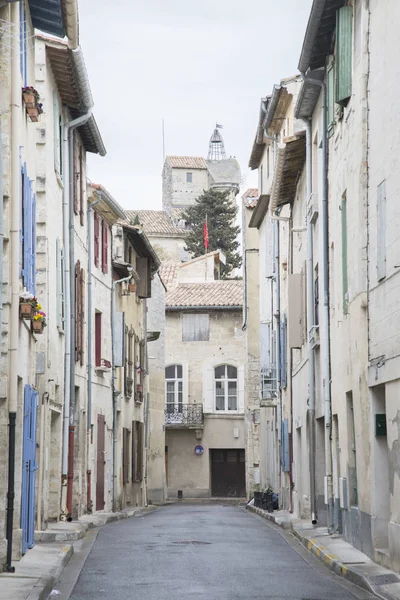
[[338, 555], [71, 531]]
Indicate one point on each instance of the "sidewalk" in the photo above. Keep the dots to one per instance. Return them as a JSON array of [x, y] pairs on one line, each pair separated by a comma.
[[41, 567], [338, 555]]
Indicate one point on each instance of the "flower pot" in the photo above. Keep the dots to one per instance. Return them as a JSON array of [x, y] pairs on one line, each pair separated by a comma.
[[33, 114], [37, 326], [26, 310], [132, 287], [29, 99]]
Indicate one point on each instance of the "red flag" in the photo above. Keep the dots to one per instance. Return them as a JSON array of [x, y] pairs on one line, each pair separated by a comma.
[[205, 234]]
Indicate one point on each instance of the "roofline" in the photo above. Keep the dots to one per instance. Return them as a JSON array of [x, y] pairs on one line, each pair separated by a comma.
[[150, 250], [109, 200], [202, 307], [314, 20], [309, 94], [259, 211]]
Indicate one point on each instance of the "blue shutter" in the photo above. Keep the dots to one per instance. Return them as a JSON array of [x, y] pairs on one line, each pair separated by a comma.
[[33, 245], [283, 330]]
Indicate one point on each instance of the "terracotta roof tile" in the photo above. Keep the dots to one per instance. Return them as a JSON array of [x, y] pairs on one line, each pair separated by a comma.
[[169, 274], [212, 295], [154, 221], [187, 162]]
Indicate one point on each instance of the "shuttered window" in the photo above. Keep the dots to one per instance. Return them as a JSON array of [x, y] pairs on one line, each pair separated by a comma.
[[129, 358], [143, 268], [104, 253], [79, 312], [60, 270], [195, 327], [28, 233], [97, 338], [344, 54], [141, 372], [96, 239], [126, 434], [23, 43], [381, 231], [137, 451]]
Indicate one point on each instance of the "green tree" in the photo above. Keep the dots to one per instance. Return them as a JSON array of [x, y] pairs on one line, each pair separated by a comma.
[[222, 231]]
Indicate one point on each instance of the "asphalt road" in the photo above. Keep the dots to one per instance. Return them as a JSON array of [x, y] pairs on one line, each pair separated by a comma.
[[204, 552]]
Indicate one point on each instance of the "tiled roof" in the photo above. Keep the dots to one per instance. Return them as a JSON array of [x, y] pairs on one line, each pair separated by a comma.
[[250, 197], [154, 221], [169, 273], [187, 162], [212, 295]]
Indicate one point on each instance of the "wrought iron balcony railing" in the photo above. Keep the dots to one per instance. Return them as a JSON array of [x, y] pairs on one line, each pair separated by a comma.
[[185, 415]]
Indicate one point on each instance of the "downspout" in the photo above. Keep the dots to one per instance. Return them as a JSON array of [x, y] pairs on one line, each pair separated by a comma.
[[146, 410], [324, 334], [68, 298], [90, 224], [115, 394], [14, 276], [310, 324], [278, 342]]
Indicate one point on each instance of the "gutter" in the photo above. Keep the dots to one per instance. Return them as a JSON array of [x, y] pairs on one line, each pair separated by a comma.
[[314, 21], [71, 18], [200, 307]]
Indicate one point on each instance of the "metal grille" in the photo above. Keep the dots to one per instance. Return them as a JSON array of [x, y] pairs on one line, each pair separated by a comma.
[[186, 414]]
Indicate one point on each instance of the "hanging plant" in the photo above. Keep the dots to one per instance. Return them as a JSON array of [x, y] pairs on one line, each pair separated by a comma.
[[33, 106], [28, 305]]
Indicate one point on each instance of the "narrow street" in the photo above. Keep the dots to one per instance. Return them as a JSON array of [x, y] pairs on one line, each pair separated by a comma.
[[210, 552]]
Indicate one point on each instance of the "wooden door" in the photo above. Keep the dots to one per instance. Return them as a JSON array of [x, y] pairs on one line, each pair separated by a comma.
[[228, 473], [100, 462]]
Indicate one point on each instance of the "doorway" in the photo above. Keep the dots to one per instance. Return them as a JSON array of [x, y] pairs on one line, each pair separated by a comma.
[[380, 458], [100, 463], [228, 473]]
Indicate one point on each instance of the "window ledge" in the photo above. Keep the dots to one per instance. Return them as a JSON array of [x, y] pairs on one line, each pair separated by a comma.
[[225, 414]]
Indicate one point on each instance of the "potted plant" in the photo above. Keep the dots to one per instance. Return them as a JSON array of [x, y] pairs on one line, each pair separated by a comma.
[[39, 322], [27, 306], [33, 106]]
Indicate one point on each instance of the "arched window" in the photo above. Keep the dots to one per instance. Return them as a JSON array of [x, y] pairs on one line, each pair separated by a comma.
[[226, 387], [173, 388]]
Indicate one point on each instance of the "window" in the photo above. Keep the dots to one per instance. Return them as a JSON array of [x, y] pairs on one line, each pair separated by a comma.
[[97, 338], [345, 286], [126, 434], [60, 270], [344, 51], [28, 234], [129, 375], [141, 372], [226, 393], [96, 239], [137, 451], [79, 312], [57, 135], [381, 231], [174, 388], [195, 327], [104, 246], [23, 43], [189, 177]]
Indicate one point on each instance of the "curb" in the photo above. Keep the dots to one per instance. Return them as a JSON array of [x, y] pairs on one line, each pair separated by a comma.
[[44, 586], [330, 560]]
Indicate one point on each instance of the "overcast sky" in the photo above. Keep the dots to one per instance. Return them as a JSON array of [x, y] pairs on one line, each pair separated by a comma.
[[191, 63]]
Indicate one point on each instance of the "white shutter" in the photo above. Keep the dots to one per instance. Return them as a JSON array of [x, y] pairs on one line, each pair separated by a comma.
[[119, 337], [185, 382], [208, 389], [241, 389]]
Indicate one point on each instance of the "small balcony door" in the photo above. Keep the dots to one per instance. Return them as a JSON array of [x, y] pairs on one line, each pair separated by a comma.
[[174, 392]]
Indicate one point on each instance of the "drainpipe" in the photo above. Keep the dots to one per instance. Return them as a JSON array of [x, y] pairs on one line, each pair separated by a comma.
[[310, 324], [90, 225], [115, 394], [68, 367], [278, 341], [15, 283], [324, 327], [146, 409]]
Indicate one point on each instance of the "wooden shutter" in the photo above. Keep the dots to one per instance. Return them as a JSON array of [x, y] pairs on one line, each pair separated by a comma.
[[78, 309], [81, 186], [381, 231], [125, 455], [96, 239], [82, 316], [97, 335], [75, 173], [104, 260], [143, 268], [140, 439], [134, 451], [344, 29]]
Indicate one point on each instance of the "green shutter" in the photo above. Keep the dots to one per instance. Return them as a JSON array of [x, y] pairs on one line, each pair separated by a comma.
[[331, 97], [344, 257], [344, 53]]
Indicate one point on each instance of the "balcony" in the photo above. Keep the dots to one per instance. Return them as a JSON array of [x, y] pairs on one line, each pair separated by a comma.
[[184, 416]]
